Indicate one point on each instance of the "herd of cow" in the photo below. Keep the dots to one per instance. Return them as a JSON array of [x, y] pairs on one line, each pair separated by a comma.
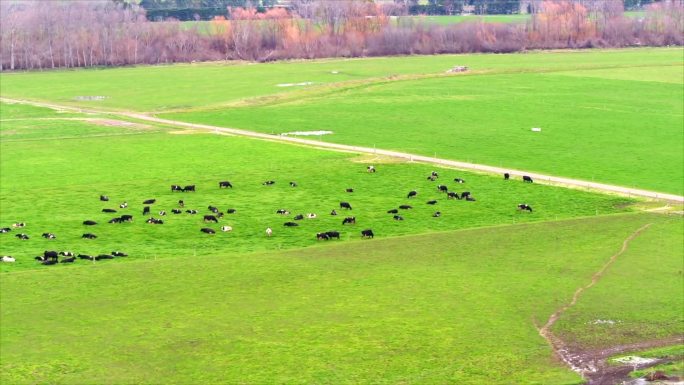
[[50, 257]]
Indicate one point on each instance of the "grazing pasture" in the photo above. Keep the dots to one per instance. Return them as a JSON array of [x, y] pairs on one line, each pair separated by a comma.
[[596, 125], [449, 307], [54, 185]]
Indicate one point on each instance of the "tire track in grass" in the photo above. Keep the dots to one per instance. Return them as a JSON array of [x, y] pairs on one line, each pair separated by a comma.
[[578, 362]]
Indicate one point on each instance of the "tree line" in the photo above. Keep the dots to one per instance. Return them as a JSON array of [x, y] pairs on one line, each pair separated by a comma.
[[87, 33]]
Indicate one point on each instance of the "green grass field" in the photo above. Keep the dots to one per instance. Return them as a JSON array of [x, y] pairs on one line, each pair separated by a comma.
[[142, 164], [607, 116], [461, 311], [454, 299]]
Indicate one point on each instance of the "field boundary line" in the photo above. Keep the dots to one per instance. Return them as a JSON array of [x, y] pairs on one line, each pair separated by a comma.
[[561, 181], [575, 362]]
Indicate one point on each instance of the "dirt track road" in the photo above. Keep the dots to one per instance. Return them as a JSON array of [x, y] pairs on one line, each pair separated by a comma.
[[566, 182]]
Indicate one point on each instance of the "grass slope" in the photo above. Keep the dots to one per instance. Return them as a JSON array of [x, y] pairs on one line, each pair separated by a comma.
[[451, 307], [53, 185]]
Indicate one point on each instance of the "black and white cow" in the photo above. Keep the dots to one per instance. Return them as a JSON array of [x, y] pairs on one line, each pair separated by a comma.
[[104, 198], [225, 184], [89, 236], [175, 187], [49, 236], [525, 206], [349, 220], [333, 234], [459, 180]]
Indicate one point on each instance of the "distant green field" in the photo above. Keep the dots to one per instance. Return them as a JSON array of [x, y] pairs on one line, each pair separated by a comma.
[[78, 161], [452, 307]]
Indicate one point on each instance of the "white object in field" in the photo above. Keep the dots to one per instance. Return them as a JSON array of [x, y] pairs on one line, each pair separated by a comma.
[[334, 72], [536, 129], [294, 84], [307, 133]]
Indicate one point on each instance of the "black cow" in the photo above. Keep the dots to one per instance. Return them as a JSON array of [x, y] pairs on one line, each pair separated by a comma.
[[225, 184], [283, 212], [293, 184], [190, 187], [119, 254], [524, 206], [527, 178], [149, 201], [210, 218], [22, 236], [231, 211], [507, 176], [465, 195], [104, 256], [213, 209], [459, 180], [290, 224], [333, 212], [333, 234], [89, 223], [437, 214], [49, 262], [431, 202], [115, 220], [398, 218], [108, 210], [176, 211], [146, 210], [127, 218], [193, 212], [411, 194], [175, 187], [104, 198], [393, 211], [268, 182], [85, 256], [5, 230], [349, 190], [298, 217], [68, 260], [350, 220], [207, 230], [442, 188], [470, 199], [181, 203], [322, 236], [49, 236], [452, 195], [405, 207], [345, 205], [368, 233], [50, 254], [89, 236]]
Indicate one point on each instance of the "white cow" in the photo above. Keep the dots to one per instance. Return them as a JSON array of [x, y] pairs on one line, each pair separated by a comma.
[[226, 228], [269, 231], [7, 258]]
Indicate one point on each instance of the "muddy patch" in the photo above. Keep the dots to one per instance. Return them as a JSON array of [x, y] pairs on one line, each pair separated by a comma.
[[116, 123]]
